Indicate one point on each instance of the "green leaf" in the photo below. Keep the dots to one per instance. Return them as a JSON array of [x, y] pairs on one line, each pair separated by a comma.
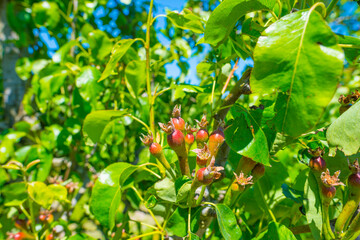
[[99, 43], [177, 223], [114, 133], [95, 122], [245, 136], [86, 81], [293, 57], [23, 68], [46, 14], [182, 89], [81, 236], [117, 53], [165, 189], [313, 206], [105, 197], [227, 222], [351, 54], [277, 231], [62, 54], [186, 20], [14, 193], [135, 77], [344, 133], [45, 195], [223, 19]]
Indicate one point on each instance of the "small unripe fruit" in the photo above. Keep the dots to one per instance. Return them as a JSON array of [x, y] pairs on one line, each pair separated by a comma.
[[354, 184], [202, 135], [258, 171], [317, 164], [176, 139], [204, 176], [50, 236], [19, 236], [179, 123], [328, 192], [236, 187], [189, 139], [42, 217], [215, 140], [50, 218], [155, 149]]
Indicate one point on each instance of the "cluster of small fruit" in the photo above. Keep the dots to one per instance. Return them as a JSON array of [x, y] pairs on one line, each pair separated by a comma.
[[45, 218], [327, 183]]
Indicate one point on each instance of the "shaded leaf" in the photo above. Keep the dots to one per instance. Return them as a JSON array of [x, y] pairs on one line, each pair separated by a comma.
[[313, 206], [245, 136], [46, 14], [351, 54], [165, 189], [277, 231]]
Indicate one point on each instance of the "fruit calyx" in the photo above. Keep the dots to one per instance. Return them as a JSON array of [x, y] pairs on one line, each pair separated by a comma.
[[331, 181], [178, 122], [202, 155], [207, 175], [241, 182]]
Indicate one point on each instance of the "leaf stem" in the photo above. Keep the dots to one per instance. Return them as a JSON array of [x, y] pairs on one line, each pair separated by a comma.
[[149, 210], [139, 121], [266, 205], [144, 235], [330, 7], [349, 46], [198, 201], [148, 73]]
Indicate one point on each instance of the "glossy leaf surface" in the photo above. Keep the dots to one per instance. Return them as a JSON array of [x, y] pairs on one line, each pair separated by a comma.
[[223, 19], [292, 57]]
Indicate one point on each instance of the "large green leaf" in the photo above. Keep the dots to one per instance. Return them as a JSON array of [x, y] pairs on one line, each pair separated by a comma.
[[351, 54], [95, 122], [186, 20], [106, 194], [298, 57], [227, 222], [87, 83], [165, 189], [344, 133], [117, 53], [223, 19], [245, 136], [313, 205], [46, 14]]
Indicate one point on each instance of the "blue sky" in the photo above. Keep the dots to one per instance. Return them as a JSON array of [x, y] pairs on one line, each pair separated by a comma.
[[348, 10]]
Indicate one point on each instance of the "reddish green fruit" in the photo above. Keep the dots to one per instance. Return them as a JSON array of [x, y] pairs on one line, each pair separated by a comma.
[[317, 164], [42, 217], [155, 149], [258, 171], [202, 135], [50, 218], [328, 192], [215, 140], [19, 236], [50, 236], [204, 176], [189, 137], [354, 184]]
